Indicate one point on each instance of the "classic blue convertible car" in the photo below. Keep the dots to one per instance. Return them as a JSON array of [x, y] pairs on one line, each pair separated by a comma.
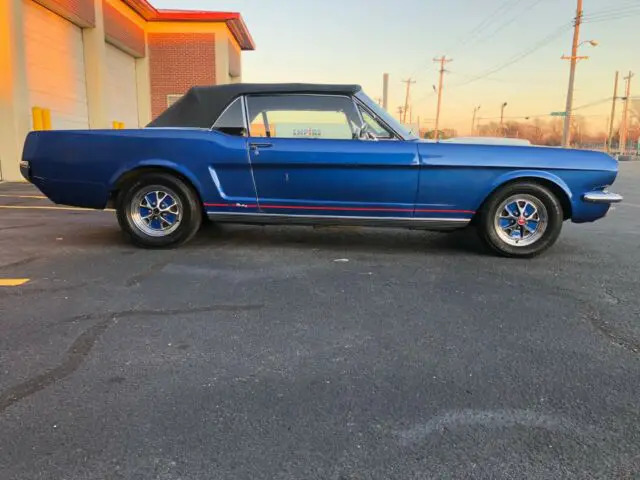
[[314, 154]]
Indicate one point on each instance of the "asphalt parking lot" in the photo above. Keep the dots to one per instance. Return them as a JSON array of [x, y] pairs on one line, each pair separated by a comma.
[[296, 353]]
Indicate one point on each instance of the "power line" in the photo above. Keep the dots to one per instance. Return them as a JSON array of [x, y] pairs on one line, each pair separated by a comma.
[[612, 11], [531, 6], [500, 80], [581, 107], [542, 115], [593, 104], [622, 11], [486, 21], [425, 97], [484, 24], [613, 18], [493, 18], [612, 14], [521, 56]]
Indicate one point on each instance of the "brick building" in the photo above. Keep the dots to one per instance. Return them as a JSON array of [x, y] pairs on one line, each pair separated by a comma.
[[75, 64]]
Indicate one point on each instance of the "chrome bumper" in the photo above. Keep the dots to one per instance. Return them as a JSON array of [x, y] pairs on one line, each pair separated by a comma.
[[601, 196]]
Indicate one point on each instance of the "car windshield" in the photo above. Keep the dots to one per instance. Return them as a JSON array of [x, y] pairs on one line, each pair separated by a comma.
[[385, 116]]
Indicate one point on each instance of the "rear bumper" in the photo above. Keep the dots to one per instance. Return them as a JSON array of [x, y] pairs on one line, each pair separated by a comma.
[[602, 196], [25, 170]]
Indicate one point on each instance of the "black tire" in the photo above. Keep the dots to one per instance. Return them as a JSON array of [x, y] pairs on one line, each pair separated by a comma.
[[185, 227], [489, 212]]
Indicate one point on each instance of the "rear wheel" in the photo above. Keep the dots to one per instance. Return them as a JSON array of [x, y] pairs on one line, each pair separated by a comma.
[[159, 210], [521, 220]]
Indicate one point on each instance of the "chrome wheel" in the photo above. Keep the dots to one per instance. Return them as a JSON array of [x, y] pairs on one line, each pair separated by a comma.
[[156, 211], [521, 220]]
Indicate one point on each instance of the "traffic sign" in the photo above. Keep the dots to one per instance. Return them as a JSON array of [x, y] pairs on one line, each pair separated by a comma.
[[558, 114]]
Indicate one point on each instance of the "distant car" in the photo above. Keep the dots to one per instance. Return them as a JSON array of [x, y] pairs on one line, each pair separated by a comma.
[[309, 155]]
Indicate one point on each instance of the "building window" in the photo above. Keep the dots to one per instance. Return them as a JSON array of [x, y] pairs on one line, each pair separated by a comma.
[[171, 99]]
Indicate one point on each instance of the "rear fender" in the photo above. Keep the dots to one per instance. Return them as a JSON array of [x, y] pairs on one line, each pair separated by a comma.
[[156, 163]]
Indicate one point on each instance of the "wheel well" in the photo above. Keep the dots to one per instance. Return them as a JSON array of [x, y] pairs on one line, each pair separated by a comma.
[[136, 172], [556, 189]]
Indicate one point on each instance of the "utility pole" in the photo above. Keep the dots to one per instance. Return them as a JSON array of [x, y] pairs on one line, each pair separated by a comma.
[[442, 61], [502, 132], [566, 135], [385, 91], [473, 120], [613, 113], [400, 110], [624, 128], [409, 82]]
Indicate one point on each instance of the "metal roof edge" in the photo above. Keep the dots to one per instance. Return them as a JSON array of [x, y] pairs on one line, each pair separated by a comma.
[[233, 20]]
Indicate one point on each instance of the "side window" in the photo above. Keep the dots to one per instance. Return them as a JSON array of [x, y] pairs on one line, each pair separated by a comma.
[[302, 116], [231, 121], [378, 130]]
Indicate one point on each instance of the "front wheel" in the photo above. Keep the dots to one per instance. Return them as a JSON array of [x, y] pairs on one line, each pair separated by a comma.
[[159, 210], [521, 220]]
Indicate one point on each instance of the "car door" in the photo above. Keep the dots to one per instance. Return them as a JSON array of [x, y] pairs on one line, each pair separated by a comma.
[[306, 160], [228, 170]]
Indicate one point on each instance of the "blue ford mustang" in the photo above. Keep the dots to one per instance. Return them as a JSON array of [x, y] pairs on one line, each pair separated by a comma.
[[314, 154]]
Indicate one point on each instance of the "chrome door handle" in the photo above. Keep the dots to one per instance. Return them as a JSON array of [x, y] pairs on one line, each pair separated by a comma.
[[255, 146]]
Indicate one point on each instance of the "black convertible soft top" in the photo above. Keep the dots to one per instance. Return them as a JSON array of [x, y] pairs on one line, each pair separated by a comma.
[[200, 107]]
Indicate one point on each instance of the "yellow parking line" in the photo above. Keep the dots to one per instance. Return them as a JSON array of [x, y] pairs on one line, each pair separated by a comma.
[[13, 282], [25, 207], [22, 196]]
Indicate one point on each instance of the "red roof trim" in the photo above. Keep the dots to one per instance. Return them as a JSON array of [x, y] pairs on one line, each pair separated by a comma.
[[233, 19], [197, 15]]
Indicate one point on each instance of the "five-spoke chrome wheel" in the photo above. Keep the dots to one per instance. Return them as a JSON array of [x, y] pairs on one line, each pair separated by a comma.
[[521, 220], [156, 210]]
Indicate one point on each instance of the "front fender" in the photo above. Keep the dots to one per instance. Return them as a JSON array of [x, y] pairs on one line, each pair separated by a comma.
[[157, 163], [523, 175]]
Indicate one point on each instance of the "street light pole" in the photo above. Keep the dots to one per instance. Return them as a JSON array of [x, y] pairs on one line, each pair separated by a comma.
[[502, 132]]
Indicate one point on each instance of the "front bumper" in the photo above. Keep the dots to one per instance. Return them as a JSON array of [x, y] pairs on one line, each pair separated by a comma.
[[602, 196]]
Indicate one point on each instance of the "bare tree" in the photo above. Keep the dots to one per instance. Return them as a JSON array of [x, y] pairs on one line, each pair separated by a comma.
[[538, 131], [634, 111], [549, 132], [578, 129]]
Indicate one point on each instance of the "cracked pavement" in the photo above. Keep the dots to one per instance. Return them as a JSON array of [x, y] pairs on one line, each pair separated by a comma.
[[252, 353]]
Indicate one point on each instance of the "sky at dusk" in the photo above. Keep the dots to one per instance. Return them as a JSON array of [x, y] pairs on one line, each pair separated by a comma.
[[356, 41]]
